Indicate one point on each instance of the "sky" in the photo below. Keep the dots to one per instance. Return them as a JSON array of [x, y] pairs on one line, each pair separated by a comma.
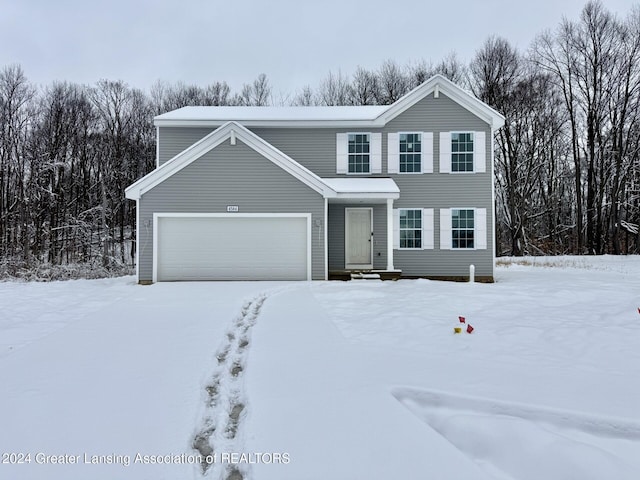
[[295, 43]]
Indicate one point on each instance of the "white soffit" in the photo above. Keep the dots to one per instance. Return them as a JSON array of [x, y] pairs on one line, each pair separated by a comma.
[[363, 187]]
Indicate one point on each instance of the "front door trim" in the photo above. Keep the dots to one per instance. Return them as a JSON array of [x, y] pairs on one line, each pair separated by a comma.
[[347, 240]]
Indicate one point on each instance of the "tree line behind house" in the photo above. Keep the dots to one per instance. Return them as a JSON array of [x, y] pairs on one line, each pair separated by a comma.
[[567, 161]]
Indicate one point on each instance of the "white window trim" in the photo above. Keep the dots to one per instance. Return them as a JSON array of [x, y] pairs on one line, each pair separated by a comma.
[[468, 172], [375, 164], [426, 153], [427, 227], [475, 216], [479, 229], [421, 155], [479, 152]]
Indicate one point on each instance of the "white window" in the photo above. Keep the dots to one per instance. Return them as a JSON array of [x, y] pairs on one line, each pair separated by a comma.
[[462, 152], [413, 228], [463, 228], [359, 153], [410, 228], [358, 150], [410, 152]]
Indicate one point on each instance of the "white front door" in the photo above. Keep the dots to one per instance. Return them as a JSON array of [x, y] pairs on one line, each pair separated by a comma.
[[358, 238]]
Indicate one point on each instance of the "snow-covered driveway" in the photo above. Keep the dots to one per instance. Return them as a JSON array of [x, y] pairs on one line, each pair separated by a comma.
[[120, 372]]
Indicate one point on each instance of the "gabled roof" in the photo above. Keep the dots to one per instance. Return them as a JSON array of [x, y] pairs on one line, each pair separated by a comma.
[[440, 84], [328, 188], [344, 116], [233, 131]]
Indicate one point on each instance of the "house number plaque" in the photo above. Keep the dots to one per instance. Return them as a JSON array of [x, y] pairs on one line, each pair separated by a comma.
[[233, 208]]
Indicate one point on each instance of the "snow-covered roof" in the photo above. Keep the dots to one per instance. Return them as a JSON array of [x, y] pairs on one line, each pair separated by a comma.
[[350, 187], [240, 114], [314, 116]]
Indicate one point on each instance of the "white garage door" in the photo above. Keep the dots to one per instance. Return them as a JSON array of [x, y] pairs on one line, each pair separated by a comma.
[[232, 248]]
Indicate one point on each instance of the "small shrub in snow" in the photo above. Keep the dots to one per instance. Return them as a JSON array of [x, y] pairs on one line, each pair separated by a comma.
[[46, 272]]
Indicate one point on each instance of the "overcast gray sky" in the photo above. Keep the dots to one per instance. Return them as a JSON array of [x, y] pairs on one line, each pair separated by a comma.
[[292, 41]]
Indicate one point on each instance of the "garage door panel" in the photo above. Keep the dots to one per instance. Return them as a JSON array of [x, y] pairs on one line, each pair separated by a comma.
[[232, 248]]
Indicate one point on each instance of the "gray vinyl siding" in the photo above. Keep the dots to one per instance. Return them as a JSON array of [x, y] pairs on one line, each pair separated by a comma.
[[337, 235], [315, 148], [231, 175], [173, 140], [439, 191]]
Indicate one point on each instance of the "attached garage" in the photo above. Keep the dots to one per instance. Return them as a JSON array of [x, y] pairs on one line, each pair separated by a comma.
[[232, 247], [231, 207]]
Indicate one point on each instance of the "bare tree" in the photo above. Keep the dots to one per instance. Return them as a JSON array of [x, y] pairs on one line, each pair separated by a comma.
[[623, 95], [499, 76], [255, 94], [334, 90], [393, 83], [304, 98], [217, 93], [419, 73], [452, 68], [16, 116], [555, 55], [364, 87]]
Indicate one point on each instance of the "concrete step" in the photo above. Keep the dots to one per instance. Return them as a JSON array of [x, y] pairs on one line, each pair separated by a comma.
[[365, 276]]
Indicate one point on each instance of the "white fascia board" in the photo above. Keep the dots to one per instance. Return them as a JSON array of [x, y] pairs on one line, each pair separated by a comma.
[[363, 188], [214, 139], [450, 89], [374, 122], [366, 195], [157, 147]]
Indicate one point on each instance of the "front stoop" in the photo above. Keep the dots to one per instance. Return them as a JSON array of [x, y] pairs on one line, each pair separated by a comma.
[[364, 274]]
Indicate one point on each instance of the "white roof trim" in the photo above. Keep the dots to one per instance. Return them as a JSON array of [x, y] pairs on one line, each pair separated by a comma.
[[273, 123], [441, 84], [215, 138], [362, 188], [312, 116], [328, 117]]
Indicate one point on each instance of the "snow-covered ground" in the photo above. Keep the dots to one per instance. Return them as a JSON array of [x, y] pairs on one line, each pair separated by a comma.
[[339, 380]]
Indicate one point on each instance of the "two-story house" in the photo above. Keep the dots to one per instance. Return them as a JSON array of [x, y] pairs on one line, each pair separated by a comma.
[[311, 193]]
